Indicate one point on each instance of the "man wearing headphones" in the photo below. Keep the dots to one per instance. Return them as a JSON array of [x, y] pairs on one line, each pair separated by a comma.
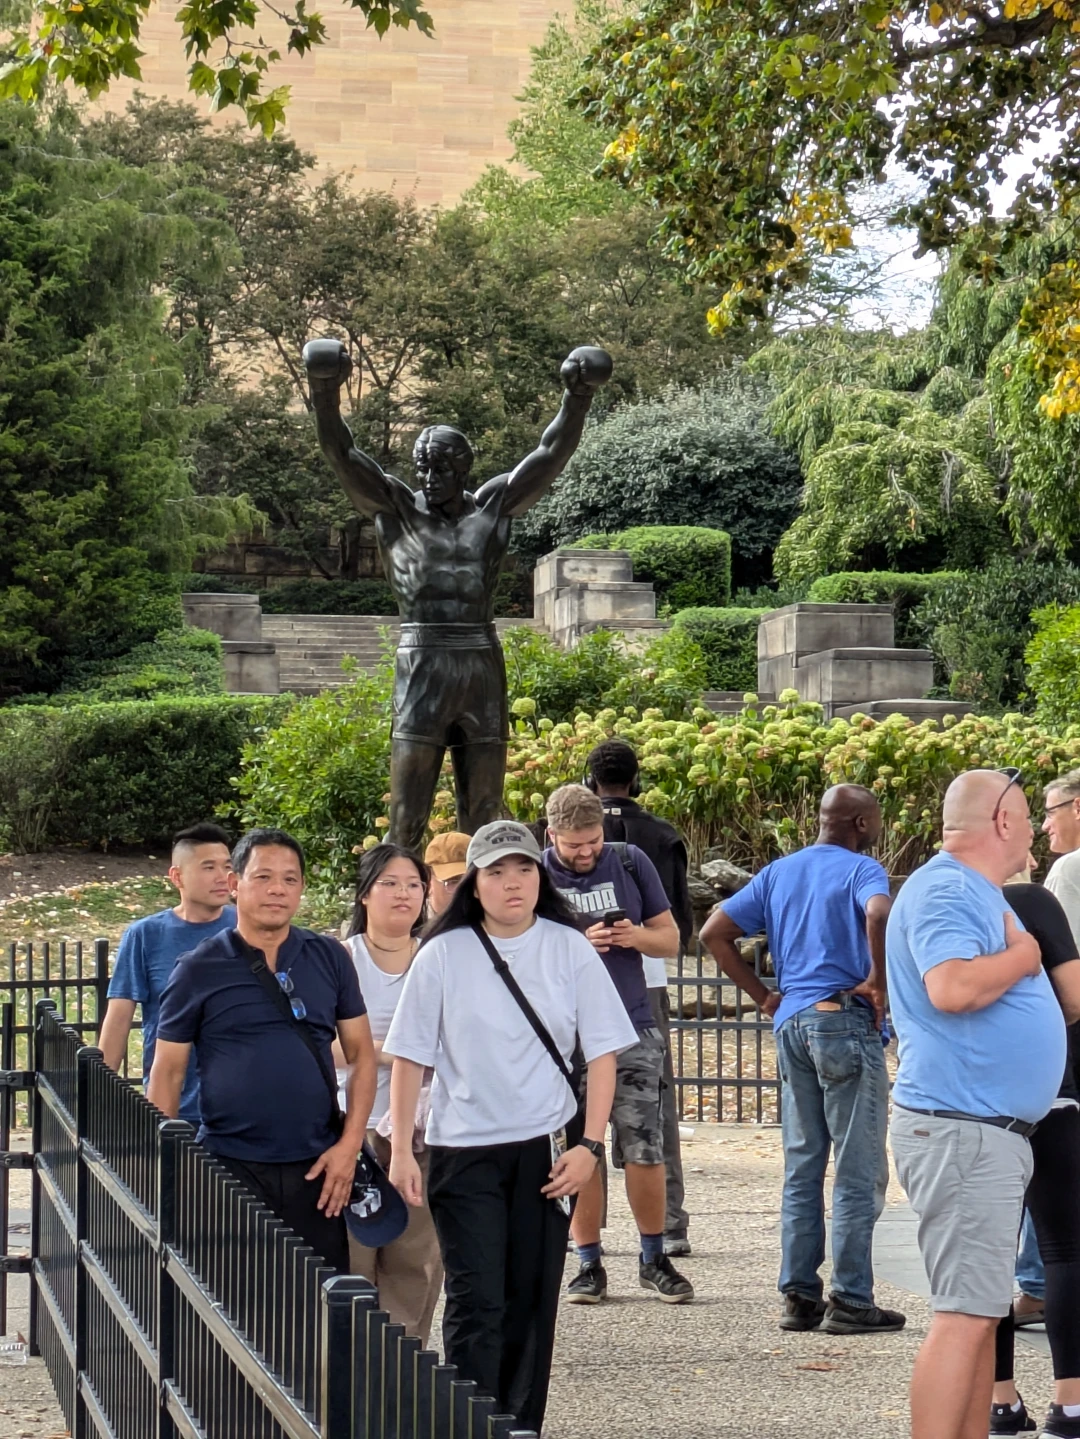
[[613, 775]]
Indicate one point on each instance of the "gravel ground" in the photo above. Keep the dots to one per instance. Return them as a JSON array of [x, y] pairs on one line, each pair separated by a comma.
[[717, 1367]]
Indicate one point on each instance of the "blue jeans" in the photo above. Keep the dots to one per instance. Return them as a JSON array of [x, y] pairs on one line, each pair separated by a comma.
[[835, 1092], [1030, 1274]]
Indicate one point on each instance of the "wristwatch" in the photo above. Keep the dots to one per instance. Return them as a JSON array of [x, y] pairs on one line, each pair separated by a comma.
[[595, 1148]]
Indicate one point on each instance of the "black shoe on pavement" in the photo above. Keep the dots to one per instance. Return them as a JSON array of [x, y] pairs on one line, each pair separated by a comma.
[[588, 1286], [1004, 1419], [802, 1313], [677, 1246], [1058, 1425], [665, 1280], [841, 1318]]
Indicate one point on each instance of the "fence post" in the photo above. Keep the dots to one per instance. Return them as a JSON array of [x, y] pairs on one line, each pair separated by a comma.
[[336, 1348], [7, 1103], [170, 1134], [83, 1060], [35, 1058]]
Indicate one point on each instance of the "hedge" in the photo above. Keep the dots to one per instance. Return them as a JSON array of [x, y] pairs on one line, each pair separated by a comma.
[[1053, 666], [885, 587], [688, 565], [728, 640], [129, 773]]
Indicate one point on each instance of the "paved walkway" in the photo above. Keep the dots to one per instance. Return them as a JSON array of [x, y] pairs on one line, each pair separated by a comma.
[[716, 1369]]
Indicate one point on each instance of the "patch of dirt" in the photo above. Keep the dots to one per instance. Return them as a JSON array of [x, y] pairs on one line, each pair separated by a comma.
[[26, 875]]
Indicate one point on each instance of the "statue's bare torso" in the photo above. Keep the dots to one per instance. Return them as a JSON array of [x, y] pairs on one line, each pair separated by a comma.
[[441, 570]]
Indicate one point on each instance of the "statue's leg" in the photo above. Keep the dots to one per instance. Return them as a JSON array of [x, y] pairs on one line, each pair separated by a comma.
[[479, 770], [414, 776]]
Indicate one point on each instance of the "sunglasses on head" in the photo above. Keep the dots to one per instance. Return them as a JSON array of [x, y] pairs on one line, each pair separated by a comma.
[[1014, 776]]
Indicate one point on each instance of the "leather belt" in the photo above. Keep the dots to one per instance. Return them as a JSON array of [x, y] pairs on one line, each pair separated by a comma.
[[1000, 1121]]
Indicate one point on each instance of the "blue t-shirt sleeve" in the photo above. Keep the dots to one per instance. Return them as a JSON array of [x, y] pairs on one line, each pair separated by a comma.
[[871, 879], [942, 928], [747, 907], [350, 1002], [180, 1016], [654, 898], [129, 978]]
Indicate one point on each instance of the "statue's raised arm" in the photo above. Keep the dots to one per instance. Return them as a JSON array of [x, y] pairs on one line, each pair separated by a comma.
[[584, 372], [370, 489]]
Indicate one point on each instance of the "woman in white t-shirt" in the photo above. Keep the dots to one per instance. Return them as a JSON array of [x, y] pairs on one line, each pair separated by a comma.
[[391, 891], [498, 1196]]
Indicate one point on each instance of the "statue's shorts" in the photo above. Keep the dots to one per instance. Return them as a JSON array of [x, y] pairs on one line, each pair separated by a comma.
[[450, 686]]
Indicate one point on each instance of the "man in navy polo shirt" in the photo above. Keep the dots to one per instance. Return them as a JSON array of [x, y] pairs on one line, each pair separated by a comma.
[[267, 1112], [823, 911]]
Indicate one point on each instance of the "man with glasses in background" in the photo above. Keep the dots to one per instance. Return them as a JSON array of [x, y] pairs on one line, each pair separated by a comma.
[[1062, 826], [967, 987], [269, 1107], [445, 857]]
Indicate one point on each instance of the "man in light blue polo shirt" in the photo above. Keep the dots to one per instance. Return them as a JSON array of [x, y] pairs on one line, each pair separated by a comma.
[[968, 994], [823, 911]]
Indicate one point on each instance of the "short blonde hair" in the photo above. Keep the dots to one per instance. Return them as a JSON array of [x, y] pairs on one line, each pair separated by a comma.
[[572, 807]]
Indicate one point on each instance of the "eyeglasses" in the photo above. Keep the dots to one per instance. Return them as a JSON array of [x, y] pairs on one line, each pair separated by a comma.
[[1050, 808], [296, 1004], [411, 887], [453, 881], [1015, 776]]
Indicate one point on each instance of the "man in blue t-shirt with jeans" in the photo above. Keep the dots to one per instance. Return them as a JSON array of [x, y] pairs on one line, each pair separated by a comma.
[[624, 914], [982, 1054], [269, 1106], [199, 869], [823, 911]]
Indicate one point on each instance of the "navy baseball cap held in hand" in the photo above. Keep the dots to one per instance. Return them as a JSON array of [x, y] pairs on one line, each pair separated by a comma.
[[376, 1214]]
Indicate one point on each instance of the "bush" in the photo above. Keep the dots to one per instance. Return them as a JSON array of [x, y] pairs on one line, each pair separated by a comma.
[[328, 597], [1053, 666], [884, 587], [688, 565], [130, 773], [323, 773], [178, 663], [690, 457], [979, 625], [728, 640]]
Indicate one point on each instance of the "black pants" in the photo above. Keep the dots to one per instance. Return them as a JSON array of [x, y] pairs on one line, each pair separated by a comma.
[[1053, 1197], [283, 1189], [503, 1248]]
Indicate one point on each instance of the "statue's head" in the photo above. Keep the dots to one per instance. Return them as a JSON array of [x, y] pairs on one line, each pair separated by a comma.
[[442, 457]]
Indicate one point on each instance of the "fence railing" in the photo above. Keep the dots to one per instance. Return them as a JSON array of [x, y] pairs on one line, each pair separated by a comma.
[[168, 1303]]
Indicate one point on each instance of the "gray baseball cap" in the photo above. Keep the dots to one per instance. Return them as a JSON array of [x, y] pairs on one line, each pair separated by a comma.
[[495, 841]]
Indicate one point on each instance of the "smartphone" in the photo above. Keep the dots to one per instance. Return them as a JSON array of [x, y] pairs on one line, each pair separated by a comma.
[[614, 916], [559, 1146]]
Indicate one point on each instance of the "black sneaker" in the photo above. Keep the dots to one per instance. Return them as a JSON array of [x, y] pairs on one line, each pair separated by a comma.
[[589, 1285], [802, 1313], [662, 1277], [1058, 1425], [841, 1318], [1004, 1419], [677, 1246]]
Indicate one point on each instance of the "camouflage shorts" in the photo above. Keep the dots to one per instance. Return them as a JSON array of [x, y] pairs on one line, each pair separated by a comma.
[[636, 1125]]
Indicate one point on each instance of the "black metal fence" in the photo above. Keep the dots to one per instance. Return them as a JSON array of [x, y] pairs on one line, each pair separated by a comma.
[[722, 1047], [168, 1303]]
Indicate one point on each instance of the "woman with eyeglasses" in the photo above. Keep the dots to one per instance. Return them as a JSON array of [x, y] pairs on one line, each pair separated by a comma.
[[391, 889], [503, 1167], [445, 857]]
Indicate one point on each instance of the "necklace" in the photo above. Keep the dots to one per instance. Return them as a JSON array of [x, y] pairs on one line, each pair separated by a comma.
[[386, 949], [390, 975]]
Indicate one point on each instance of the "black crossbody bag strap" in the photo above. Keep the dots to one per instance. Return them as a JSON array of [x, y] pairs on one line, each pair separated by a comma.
[[262, 972], [502, 969]]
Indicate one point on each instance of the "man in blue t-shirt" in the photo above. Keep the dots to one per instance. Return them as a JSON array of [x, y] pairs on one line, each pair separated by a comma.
[[624, 914], [200, 867], [269, 1106], [823, 912], [969, 995]]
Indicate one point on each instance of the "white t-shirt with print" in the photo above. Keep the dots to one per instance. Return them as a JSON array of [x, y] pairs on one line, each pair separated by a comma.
[[382, 993], [497, 1084]]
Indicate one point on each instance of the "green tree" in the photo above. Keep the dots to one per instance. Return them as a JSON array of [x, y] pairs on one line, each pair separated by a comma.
[[96, 503]]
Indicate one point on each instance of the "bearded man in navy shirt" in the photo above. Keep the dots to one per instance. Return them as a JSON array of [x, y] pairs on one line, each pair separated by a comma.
[[823, 911], [268, 1113]]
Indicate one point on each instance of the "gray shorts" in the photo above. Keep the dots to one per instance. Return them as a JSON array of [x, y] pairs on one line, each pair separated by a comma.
[[966, 1183], [637, 1126]]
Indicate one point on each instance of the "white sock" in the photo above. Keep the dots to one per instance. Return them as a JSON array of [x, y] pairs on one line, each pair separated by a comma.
[[1071, 1411], [1017, 1406]]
